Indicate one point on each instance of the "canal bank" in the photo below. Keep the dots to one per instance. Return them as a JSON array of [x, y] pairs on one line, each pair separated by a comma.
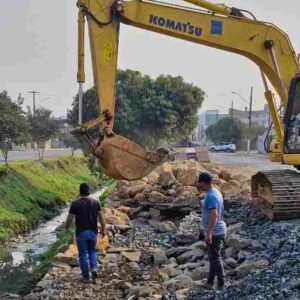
[[25, 262], [33, 192]]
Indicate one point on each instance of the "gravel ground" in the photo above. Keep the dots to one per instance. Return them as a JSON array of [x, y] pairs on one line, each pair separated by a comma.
[[279, 243]]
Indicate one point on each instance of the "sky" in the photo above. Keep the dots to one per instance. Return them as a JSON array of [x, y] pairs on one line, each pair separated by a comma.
[[38, 51]]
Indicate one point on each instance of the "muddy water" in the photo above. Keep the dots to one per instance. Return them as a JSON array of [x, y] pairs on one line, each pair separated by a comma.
[[17, 262]]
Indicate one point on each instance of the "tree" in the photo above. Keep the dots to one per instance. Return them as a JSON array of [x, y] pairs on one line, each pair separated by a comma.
[[149, 112], [253, 132], [225, 130], [43, 128], [70, 142], [14, 127]]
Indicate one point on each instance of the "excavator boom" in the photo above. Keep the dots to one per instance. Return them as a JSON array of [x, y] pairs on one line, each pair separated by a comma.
[[214, 26]]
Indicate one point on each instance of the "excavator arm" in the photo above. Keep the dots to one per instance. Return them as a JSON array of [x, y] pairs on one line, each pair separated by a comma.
[[220, 27]]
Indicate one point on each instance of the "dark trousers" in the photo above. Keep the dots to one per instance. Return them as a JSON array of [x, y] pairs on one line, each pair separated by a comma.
[[215, 260]]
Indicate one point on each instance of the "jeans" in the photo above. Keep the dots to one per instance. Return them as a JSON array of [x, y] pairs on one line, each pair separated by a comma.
[[215, 261], [86, 244]]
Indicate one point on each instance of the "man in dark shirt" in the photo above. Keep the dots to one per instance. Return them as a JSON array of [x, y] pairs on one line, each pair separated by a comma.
[[87, 211]]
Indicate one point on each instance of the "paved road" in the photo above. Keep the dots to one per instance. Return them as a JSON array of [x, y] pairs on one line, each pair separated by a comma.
[[33, 155], [255, 161]]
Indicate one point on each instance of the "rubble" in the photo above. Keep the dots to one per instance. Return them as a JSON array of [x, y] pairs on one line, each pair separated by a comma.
[[157, 254]]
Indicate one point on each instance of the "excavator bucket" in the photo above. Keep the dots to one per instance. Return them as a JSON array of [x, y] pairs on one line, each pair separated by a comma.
[[121, 158]]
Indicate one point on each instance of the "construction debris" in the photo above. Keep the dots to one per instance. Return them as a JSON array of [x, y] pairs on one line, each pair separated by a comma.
[[161, 255]]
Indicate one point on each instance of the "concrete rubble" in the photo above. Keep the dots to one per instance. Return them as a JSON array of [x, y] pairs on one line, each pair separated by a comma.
[[156, 251]]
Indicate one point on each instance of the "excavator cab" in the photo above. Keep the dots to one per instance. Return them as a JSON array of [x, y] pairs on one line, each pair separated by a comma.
[[277, 192], [292, 119]]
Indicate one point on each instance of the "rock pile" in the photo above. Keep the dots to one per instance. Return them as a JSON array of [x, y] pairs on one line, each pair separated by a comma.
[[155, 251], [172, 189]]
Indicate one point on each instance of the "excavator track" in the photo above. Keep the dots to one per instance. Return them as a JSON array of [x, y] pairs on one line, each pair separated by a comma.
[[277, 193]]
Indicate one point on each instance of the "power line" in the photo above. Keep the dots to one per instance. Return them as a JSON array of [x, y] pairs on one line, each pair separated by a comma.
[[33, 100]]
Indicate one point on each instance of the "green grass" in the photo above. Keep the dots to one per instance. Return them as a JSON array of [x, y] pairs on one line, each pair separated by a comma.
[[5, 255], [108, 190], [32, 191], [45, 260]]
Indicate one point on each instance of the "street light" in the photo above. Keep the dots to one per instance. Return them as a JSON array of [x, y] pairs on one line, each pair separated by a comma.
[[249, 103], [47, 98], [250, 112], [236, 93]]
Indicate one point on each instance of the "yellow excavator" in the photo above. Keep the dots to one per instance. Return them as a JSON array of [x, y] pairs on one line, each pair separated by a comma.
[[218, 26]]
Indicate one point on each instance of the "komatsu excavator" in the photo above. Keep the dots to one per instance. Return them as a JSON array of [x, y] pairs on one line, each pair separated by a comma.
[[218, 26]]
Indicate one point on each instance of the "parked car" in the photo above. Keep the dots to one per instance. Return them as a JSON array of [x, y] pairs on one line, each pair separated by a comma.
[[226, 147]]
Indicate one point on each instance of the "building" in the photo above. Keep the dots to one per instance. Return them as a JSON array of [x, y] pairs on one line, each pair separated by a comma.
[[65, 129], [259, 117], [207, 118]]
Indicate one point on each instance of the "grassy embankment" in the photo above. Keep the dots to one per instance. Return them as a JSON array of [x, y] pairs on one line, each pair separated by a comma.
[[32, 191]]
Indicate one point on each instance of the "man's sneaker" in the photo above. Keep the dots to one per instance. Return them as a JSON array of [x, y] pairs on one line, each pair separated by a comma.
[[84, 280], [94, 275]]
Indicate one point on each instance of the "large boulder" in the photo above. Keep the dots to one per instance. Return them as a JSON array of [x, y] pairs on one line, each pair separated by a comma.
[[154, 213], [190, 256], [200, 273], [115, 217], [187, 196], [179, 280], [189, 229], [159, 257], [191, 266], [138, 188], [66, 259], [175, 252], [132, 256], [231, 262], [156, 197], [225, 174], [188, 172], [171, 271], [122, 183], [166, 179], [237, 242], [151, 178], [140, 197], [165, 226], [246, 267], [226, 187], [187, 176], [234, 228], [112, 258], [122, 192], [231, 252]]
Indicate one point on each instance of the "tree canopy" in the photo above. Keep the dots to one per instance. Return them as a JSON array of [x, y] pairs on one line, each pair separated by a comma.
[[14, 127], [149, 111], [225, 130], [43, 128], [70, 141]]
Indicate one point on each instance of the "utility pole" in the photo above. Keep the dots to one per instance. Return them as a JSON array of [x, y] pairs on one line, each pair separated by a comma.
[[33, 100], [231, 110], [250, 108]]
